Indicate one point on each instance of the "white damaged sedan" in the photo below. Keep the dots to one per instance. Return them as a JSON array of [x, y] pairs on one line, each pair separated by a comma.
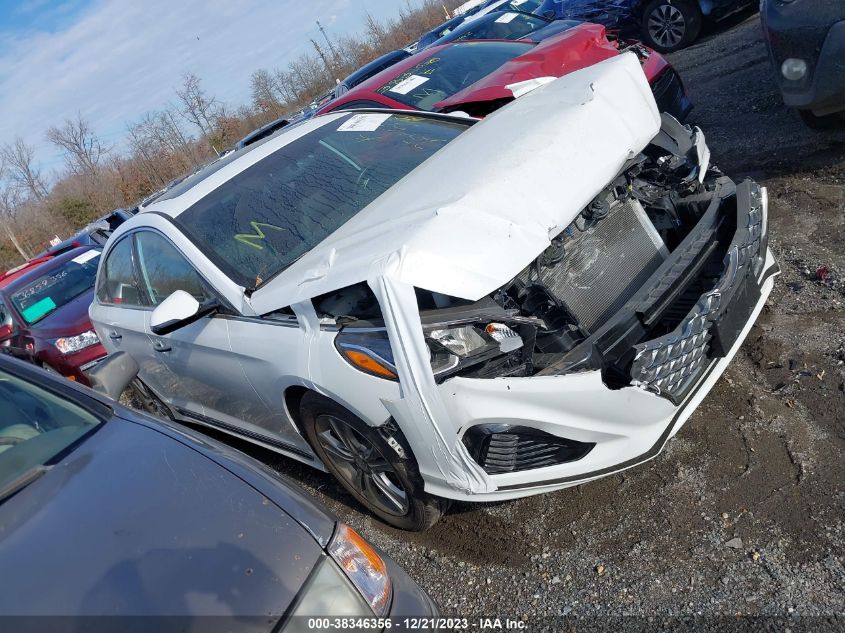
[[432, 307]]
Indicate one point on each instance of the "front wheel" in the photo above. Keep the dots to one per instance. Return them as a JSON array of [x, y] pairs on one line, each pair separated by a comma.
[[389, 485], [669, 25], [140, 397]]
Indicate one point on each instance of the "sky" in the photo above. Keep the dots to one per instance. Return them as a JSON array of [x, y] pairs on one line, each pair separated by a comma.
[[114, 60]]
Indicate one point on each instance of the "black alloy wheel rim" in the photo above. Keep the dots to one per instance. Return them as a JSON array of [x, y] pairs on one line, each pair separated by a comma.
[[361, 464]]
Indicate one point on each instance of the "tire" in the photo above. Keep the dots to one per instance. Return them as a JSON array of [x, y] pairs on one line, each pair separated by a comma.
[[147, 401], [388, 485], [670, 25], [827, 122]]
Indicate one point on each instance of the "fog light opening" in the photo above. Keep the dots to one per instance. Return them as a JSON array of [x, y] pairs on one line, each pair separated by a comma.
[[505, 448]]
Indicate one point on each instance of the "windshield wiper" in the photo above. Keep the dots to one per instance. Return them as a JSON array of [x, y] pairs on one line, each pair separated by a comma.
[[22, 481]]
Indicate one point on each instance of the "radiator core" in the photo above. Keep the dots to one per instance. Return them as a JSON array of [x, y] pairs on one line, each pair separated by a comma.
[[605, 265]]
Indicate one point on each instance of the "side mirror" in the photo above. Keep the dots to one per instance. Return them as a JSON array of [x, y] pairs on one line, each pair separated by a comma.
[[112, 375], [550, 14], [178, 310], [5, 330]]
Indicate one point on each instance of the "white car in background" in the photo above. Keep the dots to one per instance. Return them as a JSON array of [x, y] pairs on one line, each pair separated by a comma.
[[432, 307]]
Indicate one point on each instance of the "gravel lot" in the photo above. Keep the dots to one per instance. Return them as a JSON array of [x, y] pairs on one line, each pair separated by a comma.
[[742, 514]]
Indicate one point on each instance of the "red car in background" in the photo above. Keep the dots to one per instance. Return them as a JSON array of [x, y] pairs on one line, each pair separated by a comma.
[[44, 312], [479, 76]]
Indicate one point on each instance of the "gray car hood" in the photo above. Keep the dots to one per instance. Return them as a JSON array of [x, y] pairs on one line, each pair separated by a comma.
[[481, 209], [135, 523]]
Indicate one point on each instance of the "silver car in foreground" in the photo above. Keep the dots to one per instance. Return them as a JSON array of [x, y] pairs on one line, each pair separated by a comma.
[[432, 307]]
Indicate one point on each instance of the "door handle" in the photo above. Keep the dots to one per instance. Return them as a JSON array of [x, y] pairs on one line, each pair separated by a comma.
[[161, 346], [115, 336]]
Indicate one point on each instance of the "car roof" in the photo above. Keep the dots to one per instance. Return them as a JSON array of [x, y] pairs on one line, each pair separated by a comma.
[[41, 265], [265, 130], [355, 76], [455, 20], [15, 273]]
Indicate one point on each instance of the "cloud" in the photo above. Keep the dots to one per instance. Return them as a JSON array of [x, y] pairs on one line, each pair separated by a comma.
[[115, 60]]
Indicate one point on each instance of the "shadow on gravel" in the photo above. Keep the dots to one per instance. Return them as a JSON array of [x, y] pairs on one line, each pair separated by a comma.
[[712, 29]]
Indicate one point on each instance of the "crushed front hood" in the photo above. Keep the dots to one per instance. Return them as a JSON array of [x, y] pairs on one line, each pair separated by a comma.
[[475, 214]]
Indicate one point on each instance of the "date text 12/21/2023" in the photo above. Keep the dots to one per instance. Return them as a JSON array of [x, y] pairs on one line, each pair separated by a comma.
[[417, 624]]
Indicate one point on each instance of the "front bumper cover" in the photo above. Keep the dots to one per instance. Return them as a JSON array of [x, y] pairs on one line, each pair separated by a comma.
[[672, 364], [630, 425]]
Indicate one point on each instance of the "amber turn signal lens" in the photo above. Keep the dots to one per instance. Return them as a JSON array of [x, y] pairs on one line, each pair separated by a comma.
[[363, 566], [369, 364]]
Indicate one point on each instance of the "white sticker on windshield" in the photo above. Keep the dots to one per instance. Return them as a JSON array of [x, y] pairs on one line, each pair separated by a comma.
[[363, 122], [516, 3], [406, 85], [85, 257], [507, 17]]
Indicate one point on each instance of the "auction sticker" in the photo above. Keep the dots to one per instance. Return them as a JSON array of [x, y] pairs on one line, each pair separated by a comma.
[[507, 17], [409, 83], [85, 257], [363, 122]]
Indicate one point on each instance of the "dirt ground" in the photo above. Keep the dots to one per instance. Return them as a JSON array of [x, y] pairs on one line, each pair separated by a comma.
[[742, 514]]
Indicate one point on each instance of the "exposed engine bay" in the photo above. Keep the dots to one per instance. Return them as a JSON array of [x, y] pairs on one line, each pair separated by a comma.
[[631, 268]]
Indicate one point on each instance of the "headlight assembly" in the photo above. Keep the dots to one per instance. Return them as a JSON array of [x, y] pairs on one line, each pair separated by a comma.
[[468, 344], [71, 344], [460, 341], [450, 347]]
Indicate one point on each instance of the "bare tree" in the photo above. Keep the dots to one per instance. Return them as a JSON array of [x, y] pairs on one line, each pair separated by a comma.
[[198, 108], [83, 150], [285, 84], [146, 151], [170, 132], [22, 170], [9, 206], [377, 32], [325, 59], [265, 95]]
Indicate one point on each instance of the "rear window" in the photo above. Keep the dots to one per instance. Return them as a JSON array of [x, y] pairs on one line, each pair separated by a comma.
[[56, 287], [526, 6], [450, 70], [275, 211], [498, 26]]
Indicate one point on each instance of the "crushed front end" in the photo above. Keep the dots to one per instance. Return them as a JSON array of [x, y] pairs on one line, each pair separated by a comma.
[[597, 352]]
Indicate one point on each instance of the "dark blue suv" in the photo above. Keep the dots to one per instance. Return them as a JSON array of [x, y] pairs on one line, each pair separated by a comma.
[[665, 25]]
